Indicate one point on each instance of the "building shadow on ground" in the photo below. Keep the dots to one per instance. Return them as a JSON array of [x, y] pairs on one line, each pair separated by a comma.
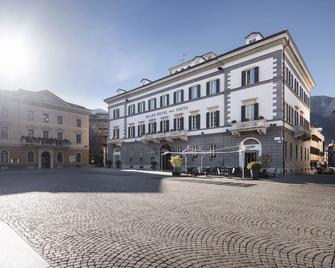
[[78, 180], [326, 180]]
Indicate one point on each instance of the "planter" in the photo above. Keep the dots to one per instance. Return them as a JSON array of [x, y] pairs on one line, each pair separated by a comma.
[[254, 174], [176, 173]]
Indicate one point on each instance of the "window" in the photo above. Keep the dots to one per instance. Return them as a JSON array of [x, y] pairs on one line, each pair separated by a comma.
[[78, 157], [131, 109], [307, 153], [194, 122], [249, 112], [131, 132], [152, 127], [30, 157], [164, 100], [116, 133], [45, 134], [296, 152], [4, 158], [60, 136], [141, 107], [141, 154], [4, 112], [116, 113], [60, 120], [194, 92], [291, 151], [60, 157], [212, 149], [179, 149], [131, 154], [301, 153], [213, 119], [46, 118], [178, 96], [250, 77], [152, 104], [141, 130], [285, 149], [152, 152], [30, 133], [78, 138], [178, 123], [213, 87], [164, 126], [78, 122], [4, 133], [30, 116]]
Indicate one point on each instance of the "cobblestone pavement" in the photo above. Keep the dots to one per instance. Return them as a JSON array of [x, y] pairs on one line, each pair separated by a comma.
[[106, 218]]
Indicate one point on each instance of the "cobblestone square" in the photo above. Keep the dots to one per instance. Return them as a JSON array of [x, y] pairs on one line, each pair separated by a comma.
[[108, 218]]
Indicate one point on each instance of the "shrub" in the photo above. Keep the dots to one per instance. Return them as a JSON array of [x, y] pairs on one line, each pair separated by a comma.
[[254, 165], [176, 162]]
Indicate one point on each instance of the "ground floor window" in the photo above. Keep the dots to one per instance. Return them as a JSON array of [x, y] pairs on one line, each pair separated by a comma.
[[30, 157], [212, 149], [60, 157], [78, 157], [4, 156]]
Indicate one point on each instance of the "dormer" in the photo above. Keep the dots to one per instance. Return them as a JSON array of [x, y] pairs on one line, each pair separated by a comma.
[[145, 81], [253, 37]]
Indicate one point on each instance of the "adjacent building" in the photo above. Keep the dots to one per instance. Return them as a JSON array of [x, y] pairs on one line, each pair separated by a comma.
[[98, 136], [317, 147], [222, 110], [40, 130]]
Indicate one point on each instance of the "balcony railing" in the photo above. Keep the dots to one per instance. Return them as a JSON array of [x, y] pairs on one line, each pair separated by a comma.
[[114, 141], [302, 132], [165, 136], [26, 140], [259, 125]]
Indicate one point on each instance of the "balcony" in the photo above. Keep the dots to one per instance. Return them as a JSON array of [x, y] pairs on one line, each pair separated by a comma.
[[113, 141], [165, 136], [259, 125], [49, 142], [302, 133]]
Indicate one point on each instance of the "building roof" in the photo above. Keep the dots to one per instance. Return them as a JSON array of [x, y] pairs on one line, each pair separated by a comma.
[[216, 59], [42, 96], [254, 33]]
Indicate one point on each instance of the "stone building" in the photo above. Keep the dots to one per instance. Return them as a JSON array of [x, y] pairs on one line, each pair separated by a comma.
[[40, 130], [227, 110], [317, 147], [98, 136]]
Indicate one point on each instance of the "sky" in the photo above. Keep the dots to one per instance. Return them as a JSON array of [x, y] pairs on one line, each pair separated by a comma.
[[83, 51]]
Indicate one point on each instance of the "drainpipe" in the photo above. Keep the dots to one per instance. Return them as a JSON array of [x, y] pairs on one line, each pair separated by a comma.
[[283, 117]]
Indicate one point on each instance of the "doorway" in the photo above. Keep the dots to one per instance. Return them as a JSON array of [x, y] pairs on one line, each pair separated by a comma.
[[165, 158], [249, 157], [45, 160]]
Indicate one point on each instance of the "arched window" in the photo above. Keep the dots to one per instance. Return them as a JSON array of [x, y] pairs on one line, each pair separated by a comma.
[[30, 157], [60, 157], [4, 158], [78, 157]]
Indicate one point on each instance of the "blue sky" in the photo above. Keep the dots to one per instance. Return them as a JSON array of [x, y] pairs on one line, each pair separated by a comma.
[[84, 50]]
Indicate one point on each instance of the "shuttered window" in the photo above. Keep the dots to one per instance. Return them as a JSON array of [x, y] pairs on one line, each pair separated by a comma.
[[250, 76], [194, 122], [249, 112], [213, 119]]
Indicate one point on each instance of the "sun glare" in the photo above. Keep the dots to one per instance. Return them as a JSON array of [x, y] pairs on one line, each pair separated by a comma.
[[15, 57]]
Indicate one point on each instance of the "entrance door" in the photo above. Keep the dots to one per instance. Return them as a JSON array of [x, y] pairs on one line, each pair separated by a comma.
[[165, 158], [45, 160], [249, 157]]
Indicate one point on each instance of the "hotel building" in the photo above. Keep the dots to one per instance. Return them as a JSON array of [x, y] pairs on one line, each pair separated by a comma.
[[227, 110], [40, 130]]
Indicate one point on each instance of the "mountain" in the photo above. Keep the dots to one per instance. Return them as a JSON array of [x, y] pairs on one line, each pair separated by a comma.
[[323, 115]]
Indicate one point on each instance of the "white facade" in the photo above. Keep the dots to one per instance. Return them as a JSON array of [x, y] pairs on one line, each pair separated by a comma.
[[244, 91]]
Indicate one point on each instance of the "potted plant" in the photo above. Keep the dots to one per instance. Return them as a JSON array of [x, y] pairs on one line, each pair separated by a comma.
[[118, 163], [254, 168], [176, 162]]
